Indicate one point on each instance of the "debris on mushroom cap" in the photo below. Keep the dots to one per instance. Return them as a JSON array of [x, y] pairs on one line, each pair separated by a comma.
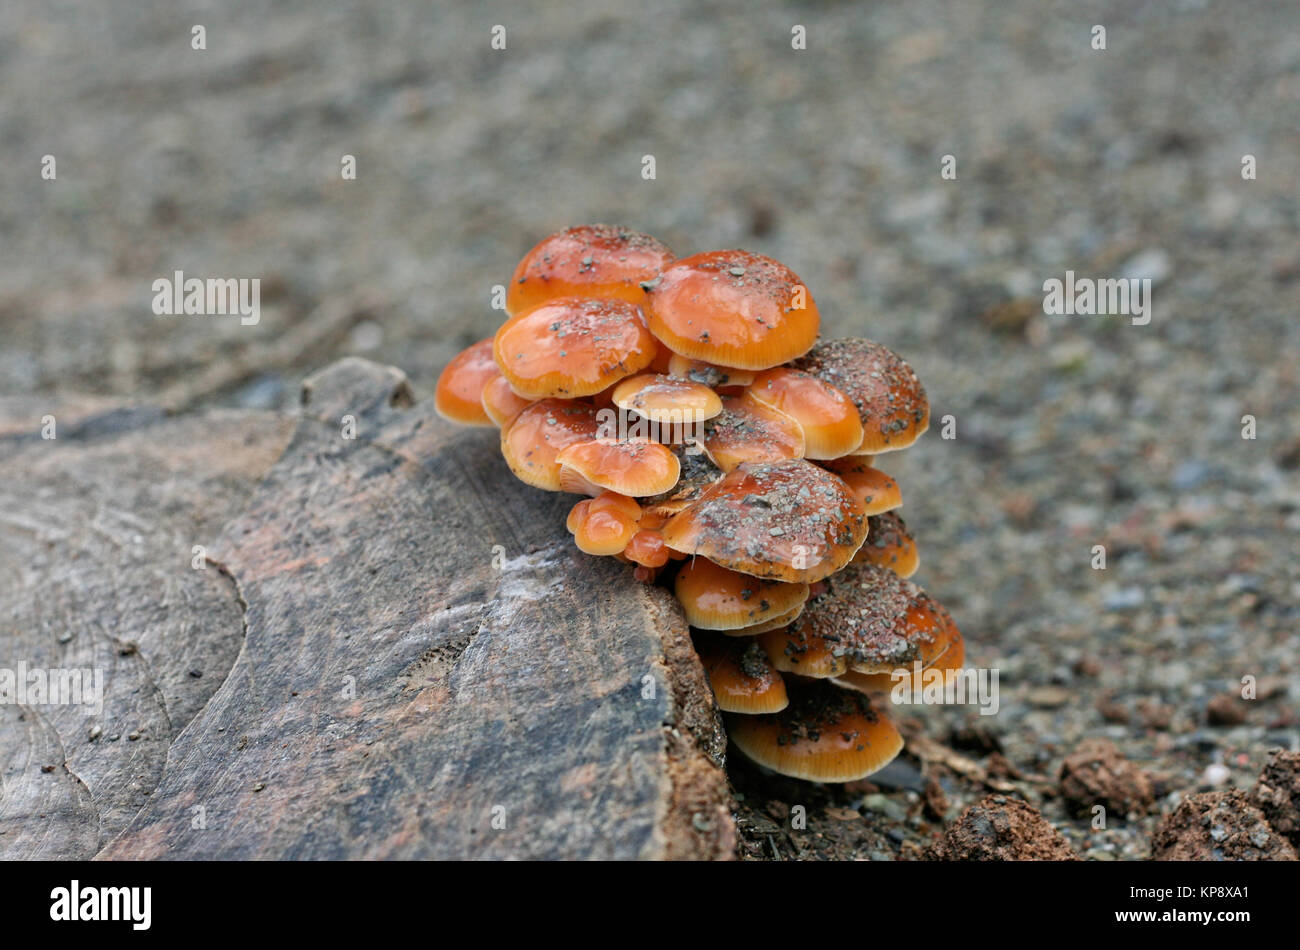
[[630, 467], [572, 346], [459, 393], [697, 473], [500, 403], [872, 619], [776, 623], [603, 525], [790, 521], [886, 391], [732, 308], [697, 371], [743, 679], [714, 598], [531, 443], [807, 654], [824, 735], [830, 422], [947, 652], [889, 544], [594, 260], [748, 431], [877, 491], [667, 399]]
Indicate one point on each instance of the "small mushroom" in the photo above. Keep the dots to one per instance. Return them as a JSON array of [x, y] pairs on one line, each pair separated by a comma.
[[748, 431], [887, 392], [788, 521], [532, 442], [629, 467], [877, 491], [697, 371], [824, 735], [867, 618], [501, 404], [830, 422], [714, 598], [732, 308], [572, 347], [594, 260], [667, 399], [603, 525], [743, 679], [889, 544], [647, 549], [459, 393]]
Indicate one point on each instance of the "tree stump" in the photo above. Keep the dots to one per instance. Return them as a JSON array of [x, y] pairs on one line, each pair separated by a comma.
[[387, 647]]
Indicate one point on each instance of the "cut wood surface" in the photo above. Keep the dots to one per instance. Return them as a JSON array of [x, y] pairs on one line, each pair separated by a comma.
[[392, 651]]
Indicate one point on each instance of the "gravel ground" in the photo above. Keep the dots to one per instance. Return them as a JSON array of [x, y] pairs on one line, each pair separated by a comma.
[[1071, 431]]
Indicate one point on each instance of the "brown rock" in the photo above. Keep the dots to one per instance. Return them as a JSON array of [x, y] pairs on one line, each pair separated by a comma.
[[1000, 828], [1278, 793], [1218, 826], [1096, 774], [1225, 709]]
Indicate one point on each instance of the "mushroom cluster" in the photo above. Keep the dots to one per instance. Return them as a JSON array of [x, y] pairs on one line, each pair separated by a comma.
[[725, 450]]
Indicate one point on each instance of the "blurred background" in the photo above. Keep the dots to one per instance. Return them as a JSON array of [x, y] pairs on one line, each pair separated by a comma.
[[1070, 431]]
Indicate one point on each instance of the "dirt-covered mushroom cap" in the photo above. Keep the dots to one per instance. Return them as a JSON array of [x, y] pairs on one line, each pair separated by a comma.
[[825, 734], [714, 598], [459, 393], [868, 617], [947, 652], [629, 467], [743, 679], [592, 260], [877, 491], [732, 308], [889, 544], [532, 442], [789, 521], [572, 346], [886, 391], [830, 422], [748, 431]]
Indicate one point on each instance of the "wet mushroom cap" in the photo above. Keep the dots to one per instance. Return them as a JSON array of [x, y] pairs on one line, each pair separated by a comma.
[[889, 544], [886, 391], [531, 443], [594, 260], [697, 371], [603, 525], [804, 652], [830, 422], [459, 393], [667, 399], [871, 618], [947, 653], [877, 491], [824, 735], [647, 549], [748, 431], [743, 680], [714, 598], [789, 521], [636, 468], [732, 308], [776, 623], [502, 404], [572, 347]]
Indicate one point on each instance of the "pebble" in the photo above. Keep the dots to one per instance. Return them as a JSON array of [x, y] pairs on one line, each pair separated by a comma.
[[1125, 598], [1215, 775]]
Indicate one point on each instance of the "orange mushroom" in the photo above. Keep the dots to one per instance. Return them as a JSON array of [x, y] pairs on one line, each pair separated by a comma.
[[823, 735], [647, 549], [667, 399], [629, 467], [459, 393], [830, 422], [697, 371], [789, 521], [806, 652], [572, 347], [877, 491], [532, 442], [889, 544], [748, 431], [743, 680], [714, 598], [946, 653], [500, 402], [603, 525], [594, 260], [732, 308], [886, 391]]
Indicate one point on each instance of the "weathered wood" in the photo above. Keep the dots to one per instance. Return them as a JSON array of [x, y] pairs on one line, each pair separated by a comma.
[[401, 681]]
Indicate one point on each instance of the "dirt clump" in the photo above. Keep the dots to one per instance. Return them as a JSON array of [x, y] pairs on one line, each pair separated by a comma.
[[1218, 826], [1001, 828], [1096, 774]]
